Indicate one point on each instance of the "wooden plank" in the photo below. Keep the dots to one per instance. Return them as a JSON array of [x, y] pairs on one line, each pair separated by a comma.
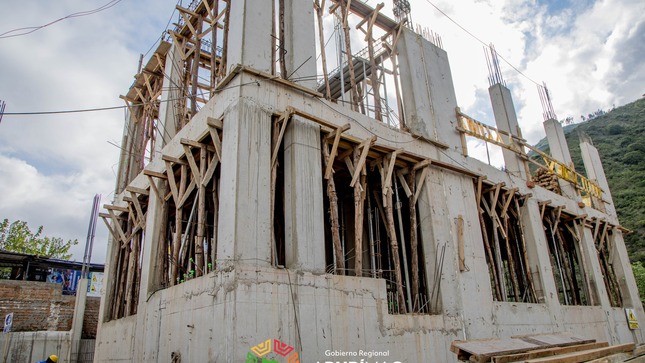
[[510, 194], [186, 194], [547, 352], [137, 190], [192, 163], [333, 215], [217, 142], [334, 148], [137, 206], [153, 187], [483, 350], [577, 357], [113, 233], [361, 162], [210, 171], [155, 174], [387, 183], [173, 160], [116, 208], [406, 188], [214, 122], [394, 245], [422, 180], [171, 182], [460, 243], [117, 226], [276, 148], [196, 144]]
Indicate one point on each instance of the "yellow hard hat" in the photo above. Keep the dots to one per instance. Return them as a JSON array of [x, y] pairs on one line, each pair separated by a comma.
[[53, 358]]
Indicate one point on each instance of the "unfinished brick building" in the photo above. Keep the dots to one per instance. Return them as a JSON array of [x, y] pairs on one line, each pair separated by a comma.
[[267, 207]]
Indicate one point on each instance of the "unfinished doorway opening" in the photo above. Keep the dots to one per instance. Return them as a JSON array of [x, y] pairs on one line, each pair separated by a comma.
[[603, 236], [564, 236], [128, 234], [371, 220], [507, 256], [188, 194]]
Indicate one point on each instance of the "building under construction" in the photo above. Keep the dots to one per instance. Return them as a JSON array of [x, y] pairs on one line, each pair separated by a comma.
[[280, 200]]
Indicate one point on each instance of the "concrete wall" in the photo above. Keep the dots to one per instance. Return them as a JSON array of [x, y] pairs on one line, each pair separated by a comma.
[[29, 347]]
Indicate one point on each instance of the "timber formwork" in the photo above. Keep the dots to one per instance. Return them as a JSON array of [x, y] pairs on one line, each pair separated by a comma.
[[257, 201]]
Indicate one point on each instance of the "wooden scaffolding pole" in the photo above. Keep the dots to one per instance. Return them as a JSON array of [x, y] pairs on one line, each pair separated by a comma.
[[132, 269], [359, 208], [412, 181], [525, 255], [389, 214], [318, 6], [333, 209], [348, 51], [374, 76], [489, 253], [201, 216]]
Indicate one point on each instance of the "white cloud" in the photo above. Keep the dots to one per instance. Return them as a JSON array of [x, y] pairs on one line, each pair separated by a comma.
[[51, 166]]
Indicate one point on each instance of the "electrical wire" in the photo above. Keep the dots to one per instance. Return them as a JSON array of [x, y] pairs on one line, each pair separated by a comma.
[[481, 41], [31, 29], [162, 33]]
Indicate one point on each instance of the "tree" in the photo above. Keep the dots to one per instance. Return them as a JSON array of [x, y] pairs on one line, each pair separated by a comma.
[[17, 237]]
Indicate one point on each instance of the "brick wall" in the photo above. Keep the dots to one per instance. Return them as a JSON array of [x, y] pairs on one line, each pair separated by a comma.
[[91, 318], [39, 306]]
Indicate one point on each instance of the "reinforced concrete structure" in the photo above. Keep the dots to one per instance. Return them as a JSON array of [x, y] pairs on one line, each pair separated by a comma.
[[260, 214]]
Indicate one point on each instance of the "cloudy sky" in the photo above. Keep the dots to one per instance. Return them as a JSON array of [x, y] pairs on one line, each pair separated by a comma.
[[589, 53]]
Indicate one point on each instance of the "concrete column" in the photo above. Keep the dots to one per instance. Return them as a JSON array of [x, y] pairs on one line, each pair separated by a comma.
[[538, 250], [627, 283], [595, 273], [77, 320], [303, 196], [300, 39], [244, 232], [506, 121], [168, 111], [430, 102], [560, 152], [595, 171], [249, 35]]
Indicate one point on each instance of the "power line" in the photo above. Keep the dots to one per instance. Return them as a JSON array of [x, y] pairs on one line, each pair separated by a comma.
[[481, 41], [96, 109], [31, 29]]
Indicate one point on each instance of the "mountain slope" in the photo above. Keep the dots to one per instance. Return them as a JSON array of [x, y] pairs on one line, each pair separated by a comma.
[[619, 137]]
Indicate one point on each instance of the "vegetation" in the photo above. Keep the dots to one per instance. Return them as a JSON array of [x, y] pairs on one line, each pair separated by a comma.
[[639, 275], [17, 237], [619, 136]]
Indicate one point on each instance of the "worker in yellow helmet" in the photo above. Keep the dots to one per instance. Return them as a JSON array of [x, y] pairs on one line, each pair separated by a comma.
[[51, 359]]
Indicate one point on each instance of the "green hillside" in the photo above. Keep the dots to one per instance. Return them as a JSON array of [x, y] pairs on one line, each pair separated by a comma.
[[619, 136]]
